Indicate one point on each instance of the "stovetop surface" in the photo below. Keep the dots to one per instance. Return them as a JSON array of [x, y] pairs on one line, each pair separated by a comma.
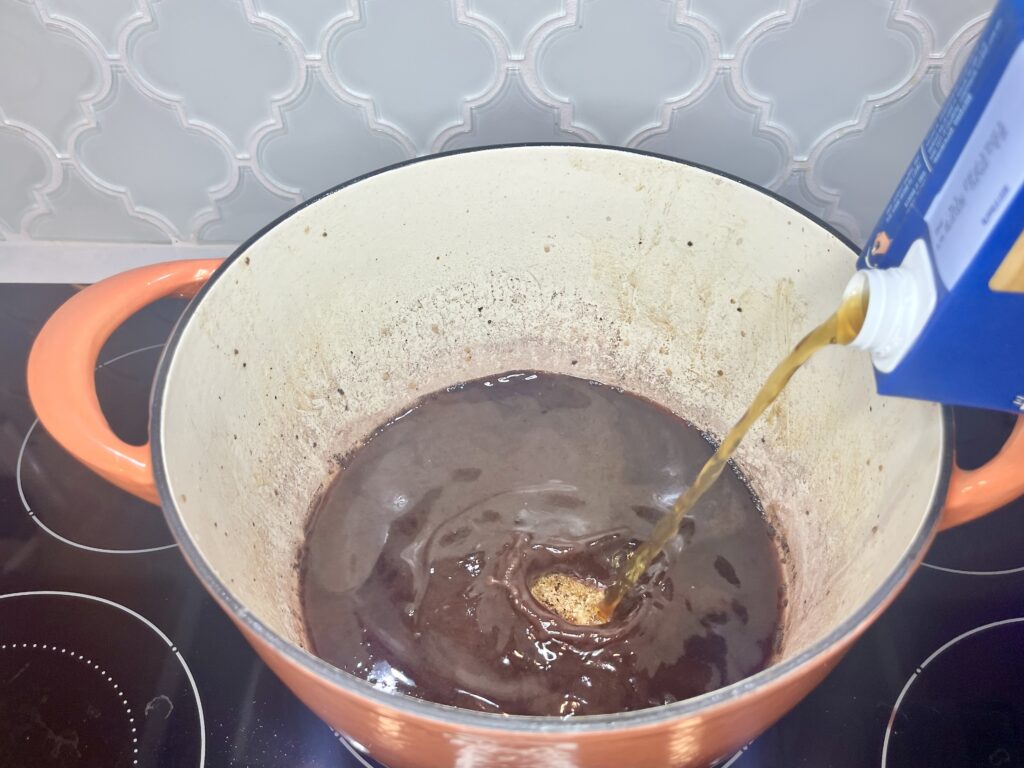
[[112, 654]]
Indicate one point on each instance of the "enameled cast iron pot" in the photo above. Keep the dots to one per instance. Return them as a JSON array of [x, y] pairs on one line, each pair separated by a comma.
[[669, 280]]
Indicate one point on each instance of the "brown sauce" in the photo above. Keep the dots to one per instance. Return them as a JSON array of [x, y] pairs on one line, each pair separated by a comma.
[[419, 559]]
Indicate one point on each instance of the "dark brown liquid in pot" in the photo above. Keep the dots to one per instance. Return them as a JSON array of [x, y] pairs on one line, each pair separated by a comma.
[[418, 561]]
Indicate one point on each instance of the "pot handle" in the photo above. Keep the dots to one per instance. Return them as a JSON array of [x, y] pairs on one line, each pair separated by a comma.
[[62, 365], [976, 492]]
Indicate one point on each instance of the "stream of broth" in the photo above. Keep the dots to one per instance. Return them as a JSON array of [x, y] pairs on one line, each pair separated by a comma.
[[841, 328]]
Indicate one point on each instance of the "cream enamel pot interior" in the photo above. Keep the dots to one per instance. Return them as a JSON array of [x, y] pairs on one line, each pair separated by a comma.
[[666, 279]]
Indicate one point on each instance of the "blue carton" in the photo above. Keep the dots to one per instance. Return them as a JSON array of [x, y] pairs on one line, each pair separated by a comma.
[[955, 225]]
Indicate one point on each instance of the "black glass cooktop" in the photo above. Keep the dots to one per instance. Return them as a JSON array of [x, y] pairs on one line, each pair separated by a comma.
[[112, 654]]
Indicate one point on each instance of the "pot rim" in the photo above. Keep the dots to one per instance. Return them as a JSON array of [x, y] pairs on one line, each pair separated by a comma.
[[455, 716]]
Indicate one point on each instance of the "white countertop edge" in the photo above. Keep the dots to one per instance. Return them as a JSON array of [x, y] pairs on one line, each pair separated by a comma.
[[77, 262]]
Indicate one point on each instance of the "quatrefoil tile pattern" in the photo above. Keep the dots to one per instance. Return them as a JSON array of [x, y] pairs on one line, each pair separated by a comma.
[[195, 121]]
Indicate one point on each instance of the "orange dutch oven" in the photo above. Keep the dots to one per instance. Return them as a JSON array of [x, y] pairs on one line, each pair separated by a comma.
[[608, 264]]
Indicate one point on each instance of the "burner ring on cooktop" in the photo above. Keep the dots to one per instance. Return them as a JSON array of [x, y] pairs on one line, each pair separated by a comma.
[[976, 721], [732, 761], [357, 750], [990, 546], [89, 663], [147, 710], [964, 572], [138, 386]]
